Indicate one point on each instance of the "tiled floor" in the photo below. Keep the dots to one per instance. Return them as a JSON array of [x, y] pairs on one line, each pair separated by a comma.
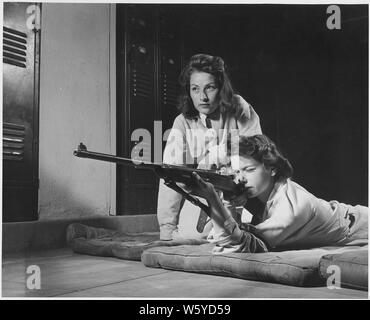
[[66, 274]]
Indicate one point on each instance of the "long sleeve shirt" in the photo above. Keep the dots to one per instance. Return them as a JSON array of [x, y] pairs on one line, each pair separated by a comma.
[[187, 144], [295, 218]]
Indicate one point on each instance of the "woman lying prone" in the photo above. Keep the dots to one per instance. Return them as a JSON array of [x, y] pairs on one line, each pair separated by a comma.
[[292, 216]]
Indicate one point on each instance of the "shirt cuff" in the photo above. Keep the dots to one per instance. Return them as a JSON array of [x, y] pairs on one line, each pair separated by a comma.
[[232, 228], [166, 232]]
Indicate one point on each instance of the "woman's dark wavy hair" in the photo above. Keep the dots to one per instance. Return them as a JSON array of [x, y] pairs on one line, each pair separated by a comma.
[[264, 150], [215, 66]]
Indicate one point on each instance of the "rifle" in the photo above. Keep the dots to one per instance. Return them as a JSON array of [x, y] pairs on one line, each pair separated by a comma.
[[171, 174]]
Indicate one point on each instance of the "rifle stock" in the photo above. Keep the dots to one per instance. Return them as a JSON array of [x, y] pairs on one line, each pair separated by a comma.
[[170, 173]]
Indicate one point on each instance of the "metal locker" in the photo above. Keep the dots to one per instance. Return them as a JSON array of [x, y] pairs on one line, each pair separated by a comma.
[[21, 43], [148, 64]]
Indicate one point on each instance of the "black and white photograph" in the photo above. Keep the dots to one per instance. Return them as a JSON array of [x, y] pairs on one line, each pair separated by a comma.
[[185, 151]]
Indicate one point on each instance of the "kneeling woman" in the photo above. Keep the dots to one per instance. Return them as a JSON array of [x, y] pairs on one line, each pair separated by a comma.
[[292, 216]]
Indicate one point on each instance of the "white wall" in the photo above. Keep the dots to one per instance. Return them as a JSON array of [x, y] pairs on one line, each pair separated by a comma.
[[77, 90]]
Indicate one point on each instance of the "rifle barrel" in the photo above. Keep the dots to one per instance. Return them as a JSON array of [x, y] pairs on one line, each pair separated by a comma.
[[172, 172], [82, 152]]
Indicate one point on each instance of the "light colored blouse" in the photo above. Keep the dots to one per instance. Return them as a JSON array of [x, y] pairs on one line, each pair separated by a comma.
[[295, 218], [187, 144]]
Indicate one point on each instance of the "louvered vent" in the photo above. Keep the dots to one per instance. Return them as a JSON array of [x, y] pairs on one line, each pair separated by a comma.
[[141, 84], [170, 91], [14, 47], [13, 141]]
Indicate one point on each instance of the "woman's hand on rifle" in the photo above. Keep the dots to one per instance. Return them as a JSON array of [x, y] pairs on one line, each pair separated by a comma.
[[203, 189], [207, 191]]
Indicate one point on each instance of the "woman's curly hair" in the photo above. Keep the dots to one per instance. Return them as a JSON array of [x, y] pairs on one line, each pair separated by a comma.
[[215, 66], [264, 150]]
